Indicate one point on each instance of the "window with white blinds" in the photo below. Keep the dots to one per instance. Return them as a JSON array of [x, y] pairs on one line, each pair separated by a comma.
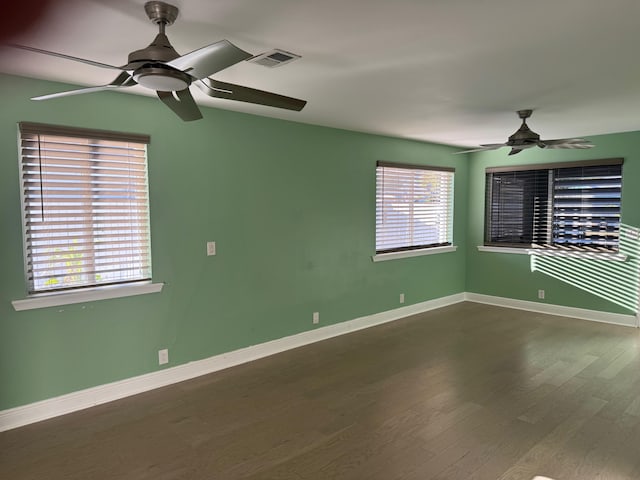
[[414, 207], [572, 205], [85, 207]]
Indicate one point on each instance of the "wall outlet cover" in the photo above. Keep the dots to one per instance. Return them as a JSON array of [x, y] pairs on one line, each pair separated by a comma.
[[163, 356]]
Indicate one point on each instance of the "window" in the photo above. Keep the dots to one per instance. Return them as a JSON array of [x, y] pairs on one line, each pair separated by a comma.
[[85, 207], [571, 205], [414, 207]]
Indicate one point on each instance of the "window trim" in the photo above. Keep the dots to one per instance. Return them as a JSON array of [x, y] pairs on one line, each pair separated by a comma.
[[415, 250], [551, 166], [88, 294], [381, 257], [411, 166], [81, 293], [549, 252], [532, 249], [81, 132]]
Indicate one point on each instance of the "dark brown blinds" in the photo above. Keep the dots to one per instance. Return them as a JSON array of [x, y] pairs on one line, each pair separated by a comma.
[[85, 207], [575, 206], [586, 206]]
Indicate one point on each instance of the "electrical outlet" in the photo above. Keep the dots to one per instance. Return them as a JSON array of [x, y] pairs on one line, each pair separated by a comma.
[[163, 356], [316, 317], [541, 294], [402, 298], [211, 248]]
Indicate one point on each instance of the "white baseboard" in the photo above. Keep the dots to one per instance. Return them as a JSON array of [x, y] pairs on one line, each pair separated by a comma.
[[581, 313], [53, 407]]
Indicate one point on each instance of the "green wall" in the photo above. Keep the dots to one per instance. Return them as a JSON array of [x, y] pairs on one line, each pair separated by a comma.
[[510, 275], [291, 207]]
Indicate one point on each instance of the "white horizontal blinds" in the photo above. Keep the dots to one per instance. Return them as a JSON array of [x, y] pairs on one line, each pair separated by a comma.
[[586, 206], [86, 208], [414, 207], [573, 205]]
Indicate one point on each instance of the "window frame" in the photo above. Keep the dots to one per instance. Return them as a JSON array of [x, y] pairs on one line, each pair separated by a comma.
[[550, 247], [422, 248], [94, 290]]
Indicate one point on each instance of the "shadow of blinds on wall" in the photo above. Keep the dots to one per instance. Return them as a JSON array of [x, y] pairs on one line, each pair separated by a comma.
[[85, 207]]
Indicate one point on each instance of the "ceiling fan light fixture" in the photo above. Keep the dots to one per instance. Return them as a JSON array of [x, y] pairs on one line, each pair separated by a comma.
[[162, 79]]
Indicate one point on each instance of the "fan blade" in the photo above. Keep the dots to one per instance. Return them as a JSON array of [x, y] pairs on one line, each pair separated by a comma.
[[210, 59], [515, 151], [217, 89], [574, 146], [483, 148], [570, 143], [123, 80], [565, 140], [184, 106], [492, 146], [62, 55], [473, 150]]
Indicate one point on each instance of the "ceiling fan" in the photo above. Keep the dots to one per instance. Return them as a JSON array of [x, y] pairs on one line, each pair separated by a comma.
[[159, 67], [526, 138]]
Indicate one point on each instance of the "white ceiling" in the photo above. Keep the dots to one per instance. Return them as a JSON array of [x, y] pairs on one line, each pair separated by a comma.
[[447, 71]]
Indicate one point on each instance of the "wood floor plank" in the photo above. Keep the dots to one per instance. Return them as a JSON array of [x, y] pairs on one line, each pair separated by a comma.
[[634, 407], [542, 408], [621, 361], [536, 461]]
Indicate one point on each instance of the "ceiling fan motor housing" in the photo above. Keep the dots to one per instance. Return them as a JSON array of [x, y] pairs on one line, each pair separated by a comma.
[[150, 70], [160, 50], [524, 134]]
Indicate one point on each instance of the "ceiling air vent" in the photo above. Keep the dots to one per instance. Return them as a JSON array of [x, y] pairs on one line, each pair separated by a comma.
[[274, 58]]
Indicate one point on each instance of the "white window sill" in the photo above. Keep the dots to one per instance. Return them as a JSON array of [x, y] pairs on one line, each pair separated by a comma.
[[541, 252], [44, 300], [381, 257]]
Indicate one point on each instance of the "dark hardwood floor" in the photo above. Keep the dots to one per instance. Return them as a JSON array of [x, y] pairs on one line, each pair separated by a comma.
[[469, 392]]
